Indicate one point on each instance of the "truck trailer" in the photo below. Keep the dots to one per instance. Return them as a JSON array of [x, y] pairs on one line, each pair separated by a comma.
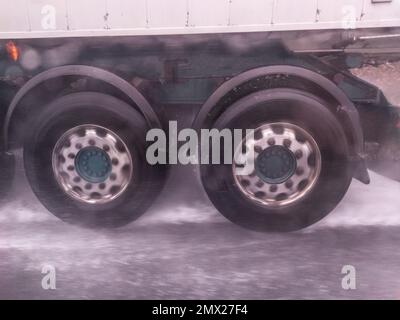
[[82, 83]]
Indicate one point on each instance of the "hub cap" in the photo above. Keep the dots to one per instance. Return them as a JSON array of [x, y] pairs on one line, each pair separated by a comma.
[[275, 164], [92, 164], [287, 164]]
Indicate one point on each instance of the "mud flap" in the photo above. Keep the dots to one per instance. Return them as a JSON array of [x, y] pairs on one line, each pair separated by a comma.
[[361, 170]]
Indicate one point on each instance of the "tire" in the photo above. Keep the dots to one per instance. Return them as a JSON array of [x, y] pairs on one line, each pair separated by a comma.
[[111, 119], [332, 177]]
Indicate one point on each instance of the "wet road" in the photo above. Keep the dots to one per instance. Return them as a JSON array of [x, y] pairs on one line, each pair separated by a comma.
[[184, 249]]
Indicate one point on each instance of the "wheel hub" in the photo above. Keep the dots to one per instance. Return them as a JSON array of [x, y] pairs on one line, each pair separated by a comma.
[[93, 164], [275, 164], [287, 163]]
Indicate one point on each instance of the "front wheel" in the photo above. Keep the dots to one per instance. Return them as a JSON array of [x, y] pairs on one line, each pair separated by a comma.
[[85, 161], [300, 162]]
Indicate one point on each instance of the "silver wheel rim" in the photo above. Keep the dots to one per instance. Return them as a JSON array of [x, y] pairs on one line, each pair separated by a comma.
[[85, 141], [291, 140]]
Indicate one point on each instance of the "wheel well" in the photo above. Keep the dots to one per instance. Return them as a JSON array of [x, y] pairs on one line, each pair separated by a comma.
[[57, 82], [284, 77]]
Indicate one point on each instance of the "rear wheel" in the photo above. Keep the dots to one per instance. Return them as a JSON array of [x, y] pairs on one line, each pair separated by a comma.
[[86, 162], [299, 164]]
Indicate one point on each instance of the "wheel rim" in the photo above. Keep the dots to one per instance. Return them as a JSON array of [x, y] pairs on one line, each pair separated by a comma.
[[92, 164], [287, 164]]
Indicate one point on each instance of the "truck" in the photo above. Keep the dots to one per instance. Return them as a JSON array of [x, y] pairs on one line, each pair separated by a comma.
[[82, 83]]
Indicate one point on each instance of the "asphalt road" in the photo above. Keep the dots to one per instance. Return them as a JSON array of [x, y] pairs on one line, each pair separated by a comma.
[[183, 249]]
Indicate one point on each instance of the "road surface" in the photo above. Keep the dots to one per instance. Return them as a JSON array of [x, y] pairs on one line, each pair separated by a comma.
[[183, 249]]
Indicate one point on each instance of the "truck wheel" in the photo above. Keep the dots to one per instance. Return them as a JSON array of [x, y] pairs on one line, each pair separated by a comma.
[[85, 161], [300, 162]]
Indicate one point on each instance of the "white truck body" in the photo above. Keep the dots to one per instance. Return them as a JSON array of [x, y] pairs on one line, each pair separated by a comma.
[[81, 18]]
